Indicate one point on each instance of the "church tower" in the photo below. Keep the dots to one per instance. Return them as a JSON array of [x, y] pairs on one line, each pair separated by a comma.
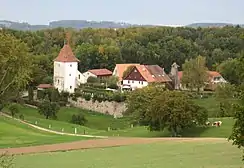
[[65, 69]]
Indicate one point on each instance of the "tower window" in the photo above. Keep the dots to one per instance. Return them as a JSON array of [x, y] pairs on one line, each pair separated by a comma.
[[58, 81], [79, 76], [70, 87], [69, 74], [70, 65]]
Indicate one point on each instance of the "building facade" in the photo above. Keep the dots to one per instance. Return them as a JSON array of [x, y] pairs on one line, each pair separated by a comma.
[[66, 76]]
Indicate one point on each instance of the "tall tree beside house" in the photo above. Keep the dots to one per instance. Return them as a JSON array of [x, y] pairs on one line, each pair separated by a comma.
[[15, 67], [195, 73]]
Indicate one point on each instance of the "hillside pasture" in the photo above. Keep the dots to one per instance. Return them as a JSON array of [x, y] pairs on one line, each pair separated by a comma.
[[16, 134]]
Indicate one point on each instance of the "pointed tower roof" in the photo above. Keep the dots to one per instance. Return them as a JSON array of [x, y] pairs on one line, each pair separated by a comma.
[[66, 54]]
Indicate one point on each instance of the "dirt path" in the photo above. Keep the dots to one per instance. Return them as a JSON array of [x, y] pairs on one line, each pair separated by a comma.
[[99, 143], [50, 131]]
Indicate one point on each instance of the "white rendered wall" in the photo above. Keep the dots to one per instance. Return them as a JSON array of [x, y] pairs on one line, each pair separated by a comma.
[[65, 74], [58, 75], [87, 75], [70, 74], [135, 84]]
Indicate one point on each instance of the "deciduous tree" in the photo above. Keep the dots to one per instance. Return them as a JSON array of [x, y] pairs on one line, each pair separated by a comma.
[[15, 66], [195, 73], [49, 109], [159, 109]]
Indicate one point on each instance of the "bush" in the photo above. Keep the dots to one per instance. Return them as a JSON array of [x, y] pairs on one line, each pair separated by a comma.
[[87, 96], [21, 116], [78, 119], [14, 109], [6, 161], [92, 79], [40, 94]]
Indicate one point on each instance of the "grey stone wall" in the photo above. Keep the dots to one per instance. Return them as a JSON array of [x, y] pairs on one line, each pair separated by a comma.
[[112, 108]]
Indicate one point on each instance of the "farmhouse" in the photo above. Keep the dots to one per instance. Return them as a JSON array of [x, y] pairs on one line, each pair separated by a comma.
[[120, 69], [140, 76], [97, 73], [214, 78]]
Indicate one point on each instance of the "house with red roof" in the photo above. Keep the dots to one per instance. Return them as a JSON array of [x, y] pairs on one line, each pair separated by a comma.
[[97, 73], [214, 78], [142, 75], [120, 69]]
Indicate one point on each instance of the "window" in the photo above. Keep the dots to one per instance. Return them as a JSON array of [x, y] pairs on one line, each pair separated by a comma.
[[70, 87], [135, 70], [69, 74], [70, 65], [139, 82], [142, 82], [128, 81], [132, 81], [58, 81], [79, 76]]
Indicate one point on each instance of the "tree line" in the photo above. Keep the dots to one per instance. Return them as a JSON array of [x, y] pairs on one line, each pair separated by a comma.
[[103, 48]]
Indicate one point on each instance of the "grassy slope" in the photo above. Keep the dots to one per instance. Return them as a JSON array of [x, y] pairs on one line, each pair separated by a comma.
[[15, 134], [98, 123], [223, 132], [166, 154]]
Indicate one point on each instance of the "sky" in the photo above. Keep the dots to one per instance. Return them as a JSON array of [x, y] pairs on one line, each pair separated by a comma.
[[157, 12]]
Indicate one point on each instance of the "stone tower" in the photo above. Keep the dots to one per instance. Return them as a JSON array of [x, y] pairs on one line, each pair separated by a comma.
[[174, 75]]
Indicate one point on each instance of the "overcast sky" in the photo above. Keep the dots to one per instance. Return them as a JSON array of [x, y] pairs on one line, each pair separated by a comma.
[[161, 12]]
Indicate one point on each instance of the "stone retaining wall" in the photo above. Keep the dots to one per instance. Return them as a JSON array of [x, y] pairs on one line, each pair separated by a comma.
[[113, 108]]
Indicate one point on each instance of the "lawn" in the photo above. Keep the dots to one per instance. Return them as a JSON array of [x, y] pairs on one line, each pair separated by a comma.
[[96, 121], [98, 124], [222, 132], [212, 105], [168, 154], [15, 134]]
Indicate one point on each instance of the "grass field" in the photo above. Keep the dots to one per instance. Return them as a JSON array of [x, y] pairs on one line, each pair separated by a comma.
[[169, 154], [98, 124], [96, 121], [222, 132], [15, 134]]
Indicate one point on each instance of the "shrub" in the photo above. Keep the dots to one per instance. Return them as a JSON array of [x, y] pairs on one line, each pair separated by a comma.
[[40, 94], [78, 119], [87, 96], [92, 79], [6, 161], [14, 109], [21, 116]]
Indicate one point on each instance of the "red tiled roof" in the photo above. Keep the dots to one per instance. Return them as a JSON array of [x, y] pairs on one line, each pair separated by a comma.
[[101, 72], [44, 86], [158, 73], [121, 68], [153, 73], [66, 55], [211, 74]]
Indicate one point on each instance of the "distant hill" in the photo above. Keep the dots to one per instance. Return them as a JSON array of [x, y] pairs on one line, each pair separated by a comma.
[[206, 25], [80, 24], [76, 24]]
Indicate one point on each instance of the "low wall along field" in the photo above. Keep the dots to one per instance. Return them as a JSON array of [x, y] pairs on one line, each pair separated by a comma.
[[113, 108]]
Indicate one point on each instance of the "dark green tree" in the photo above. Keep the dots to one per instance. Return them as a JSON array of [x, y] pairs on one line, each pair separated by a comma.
[[49, 109]]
